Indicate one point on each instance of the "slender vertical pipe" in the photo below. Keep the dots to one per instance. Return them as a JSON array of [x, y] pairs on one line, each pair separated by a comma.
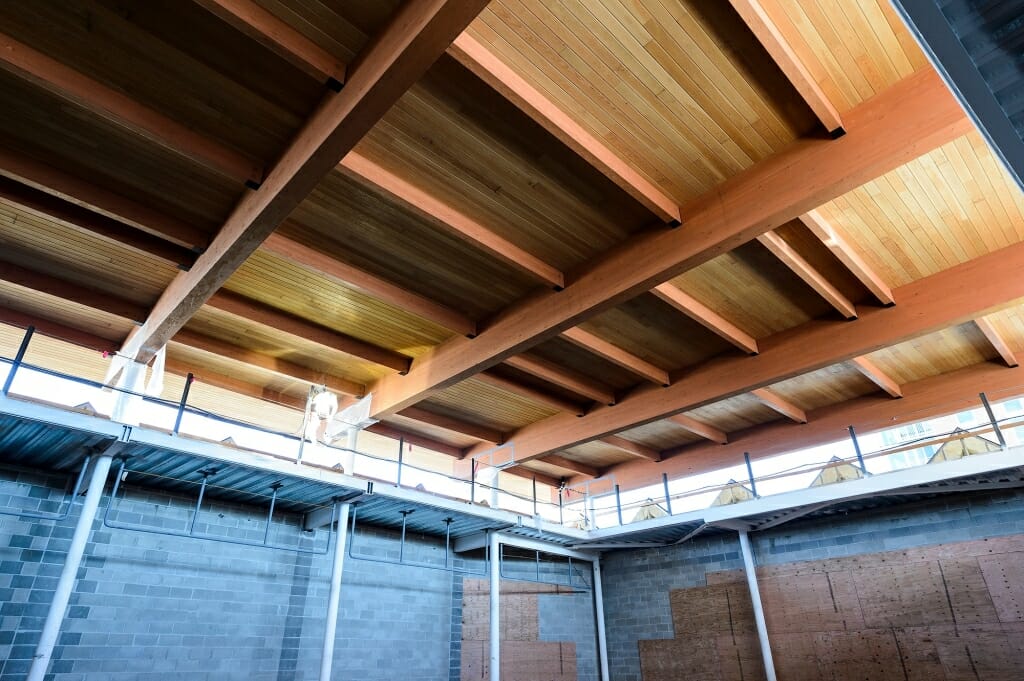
[[182, 403], [992, 420], [18, 358], [68, 574], [755, 598], [305, 424], [199, 502], [327, 659], [750, 474], [618, 504], [401, 453], [561, 518], [535, 495], [495, 619], [856, 448], [602, 638], [668, 497], [472, 481], [270, 514]]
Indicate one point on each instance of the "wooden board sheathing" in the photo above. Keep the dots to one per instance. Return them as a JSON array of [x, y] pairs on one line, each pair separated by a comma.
[[853, 50], [178, 59], [348, 222], [831, 385], [42, 305], [735, 413], [197, 361], [681, 90], [490, 404], [53, 248], [1009, 322], [460, 141], [936, 353], [751, 288], [304, 293], [238, 331], [820, 257], [571, 356], [86, 145], [54, 354], [597, 454], [661, 435], [433, 432], [657, 332], [340, 27], [944, 208], [944, 612]]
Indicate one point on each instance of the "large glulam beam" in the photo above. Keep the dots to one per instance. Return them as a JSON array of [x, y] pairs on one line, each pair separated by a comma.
[[939, 301], [909, 119], [705, 316], [808, 273], [835, 242], [393, 61]]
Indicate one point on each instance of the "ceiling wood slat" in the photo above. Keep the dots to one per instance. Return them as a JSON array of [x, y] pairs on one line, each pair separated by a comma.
[[97, 300]]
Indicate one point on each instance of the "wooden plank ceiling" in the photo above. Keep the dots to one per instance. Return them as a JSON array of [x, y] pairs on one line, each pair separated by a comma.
[[472, 211]]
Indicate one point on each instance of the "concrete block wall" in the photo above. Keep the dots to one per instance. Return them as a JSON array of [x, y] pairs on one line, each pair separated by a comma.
[[149, 606], [638, 583]]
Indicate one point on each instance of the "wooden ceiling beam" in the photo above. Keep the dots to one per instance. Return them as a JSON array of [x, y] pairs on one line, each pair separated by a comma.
[[374, 286], [453, 424], [51, 207], [57, 330], [763, 27], [75, 293], [996, 340], [530, 393], [700, 428], [901, 123], [417, 34], [216, 379], [875, 374], [50, 180], [523, 472], [572, 381], [846, 254], [776, 402], [280, 38], [947, 298], [924, 399], [448, 219], [489, 68], [617, 355], [410, 438], [574, 466], [293, 325], [628, 446], [808, 273], [705, 316], [112, 104], [269, 363]]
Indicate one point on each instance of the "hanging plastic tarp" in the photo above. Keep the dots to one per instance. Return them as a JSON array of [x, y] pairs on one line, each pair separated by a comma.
[[837, 470], [968, 445], [734, 493], [649, 511]]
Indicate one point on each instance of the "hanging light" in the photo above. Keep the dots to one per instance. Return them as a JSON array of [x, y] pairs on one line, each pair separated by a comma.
[[324, 404]]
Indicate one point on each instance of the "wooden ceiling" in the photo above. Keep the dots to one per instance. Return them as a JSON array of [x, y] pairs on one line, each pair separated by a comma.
[[621, 236]]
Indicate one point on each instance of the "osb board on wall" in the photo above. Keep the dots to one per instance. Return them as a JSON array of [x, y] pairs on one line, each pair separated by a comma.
[[941, 613]]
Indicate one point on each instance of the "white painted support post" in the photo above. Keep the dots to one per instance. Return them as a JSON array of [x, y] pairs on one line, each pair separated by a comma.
[[68, 575], [331, 628], [755, 597], [495, 597], [602, 639], [348, 457]]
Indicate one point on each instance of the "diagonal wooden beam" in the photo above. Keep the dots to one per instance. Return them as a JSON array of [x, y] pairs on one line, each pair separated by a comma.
[[448, 219], [996, 340], [630, 447], [764, 28], [873, 373], [81, 193], [374, 286], [269, 363], [807, 272], [938, 301], [574, 466], [278, 37], [705, 316], [478, 59], [903, 122], [835, 242], [52, 207], [453, 424], [530, 393], [617, 355], [416, 36], [773, 400], [293, 325], [65, 82], [700, 428], [76, 293], [572, 381]]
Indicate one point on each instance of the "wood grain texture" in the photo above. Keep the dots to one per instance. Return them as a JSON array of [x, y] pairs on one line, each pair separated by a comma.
[[998, 343], [705, 316]]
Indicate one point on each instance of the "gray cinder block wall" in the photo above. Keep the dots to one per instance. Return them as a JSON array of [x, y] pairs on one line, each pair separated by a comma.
[[637, 583], [155, 607]]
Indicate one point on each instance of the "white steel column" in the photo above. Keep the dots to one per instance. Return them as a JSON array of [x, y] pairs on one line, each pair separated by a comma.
[[755, 597], [331, 628], [602, 639], [66, 582], [495, 594]]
